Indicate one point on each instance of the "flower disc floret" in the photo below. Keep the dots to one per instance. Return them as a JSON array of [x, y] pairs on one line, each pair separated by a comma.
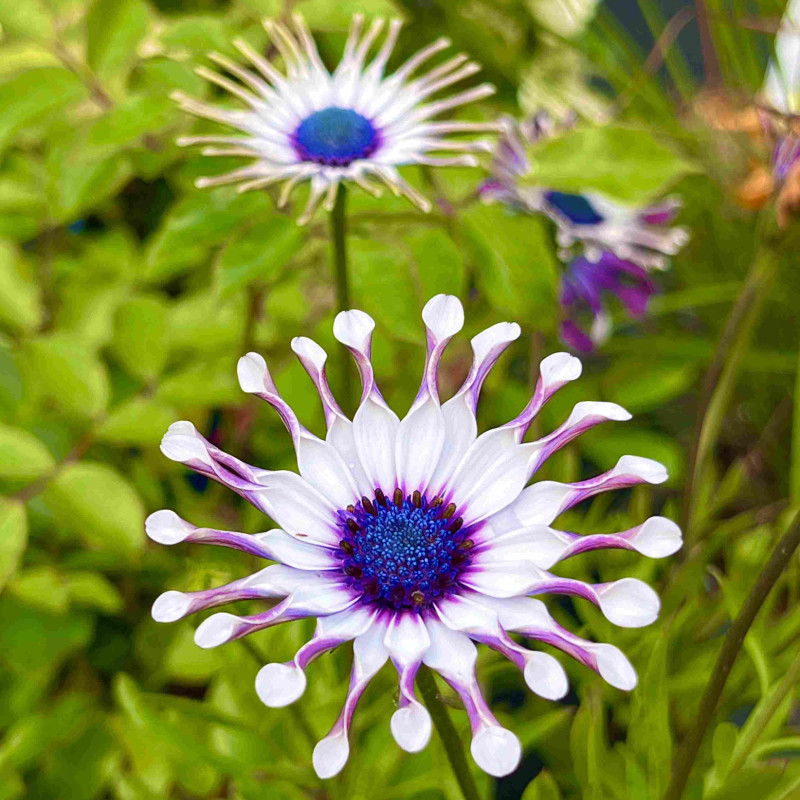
[[403, 552], [336, 137]]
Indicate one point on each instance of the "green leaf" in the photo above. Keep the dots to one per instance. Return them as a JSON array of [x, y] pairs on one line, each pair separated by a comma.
[[59, 369], [749, 784], [202, 322], [11, 784], [22, 455], [202, 384], [515, 263], [40, 587], [260, 252], [649, 728], [13, 536], [113, 29], [722, 745], [20, 303], [140, 337], [30, 18], [439, 262], [140, 421], [11, 385], [644, 385], [197, 33], [542, 787], [128, 122], [92, 590], [97, 504], [34, 95], [183, 661], [627, 164], [591, 757], [24, 629], [80, 176], [378, 270], [197, 223]]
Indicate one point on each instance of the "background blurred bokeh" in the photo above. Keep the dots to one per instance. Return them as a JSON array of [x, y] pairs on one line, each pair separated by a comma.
[[127, 296]]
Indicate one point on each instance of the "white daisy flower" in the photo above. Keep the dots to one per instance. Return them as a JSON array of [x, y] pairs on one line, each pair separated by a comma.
[[350, 125], [416, 538]]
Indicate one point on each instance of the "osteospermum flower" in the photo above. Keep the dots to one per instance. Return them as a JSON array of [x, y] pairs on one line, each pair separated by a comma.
[[308, 124], [594, 221], [584, 287], [779, 106], [416, 538]]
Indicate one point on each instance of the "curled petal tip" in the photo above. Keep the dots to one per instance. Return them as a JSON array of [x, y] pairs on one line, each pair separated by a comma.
[[496, 751], [614, 667], [307, 348], [644, 468], [279, 685], [166, 527], [546, 677], [251, 370], [171, 606], [629, 603], [330, 755], [659, 537], [216, 630], [181, 446], [560, 368], [589, 408], [353, 329], [503, 333], [411, 728], [443, 315]]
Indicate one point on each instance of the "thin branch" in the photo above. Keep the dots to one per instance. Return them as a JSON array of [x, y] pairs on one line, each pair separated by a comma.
[[754, 286], [727, 656], [448, 734]]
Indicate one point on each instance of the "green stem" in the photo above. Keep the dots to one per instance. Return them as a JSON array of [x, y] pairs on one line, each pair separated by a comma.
[[762, 715], [727, 656], [794, 468], [339, 253], [448, 734], [295, 710], [721, 375]]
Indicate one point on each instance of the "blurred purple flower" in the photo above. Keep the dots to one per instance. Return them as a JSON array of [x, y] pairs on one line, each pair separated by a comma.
[[584, 287], [616, 243]]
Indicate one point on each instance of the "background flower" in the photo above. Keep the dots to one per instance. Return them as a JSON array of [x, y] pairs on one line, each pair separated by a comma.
[[354, 124], [615, 243]]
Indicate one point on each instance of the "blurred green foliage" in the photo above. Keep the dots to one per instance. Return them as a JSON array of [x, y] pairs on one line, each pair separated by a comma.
[[126, 297]]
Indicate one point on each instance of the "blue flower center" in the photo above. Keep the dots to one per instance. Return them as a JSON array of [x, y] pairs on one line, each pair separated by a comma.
[[403, 552], [575, 207], [335, 137]]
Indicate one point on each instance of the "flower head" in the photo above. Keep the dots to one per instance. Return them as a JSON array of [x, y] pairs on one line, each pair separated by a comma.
[[350, 125], [591, 219], [416, 538], [779, 106], [584, 288]]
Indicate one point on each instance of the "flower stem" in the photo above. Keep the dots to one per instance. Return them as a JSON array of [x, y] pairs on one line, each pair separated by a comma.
[[721, 375], [762, 715], [339, 254], [448, 734], [727, 656]]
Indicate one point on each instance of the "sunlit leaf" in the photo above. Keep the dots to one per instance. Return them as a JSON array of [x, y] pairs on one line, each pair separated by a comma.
[[97, 504]]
